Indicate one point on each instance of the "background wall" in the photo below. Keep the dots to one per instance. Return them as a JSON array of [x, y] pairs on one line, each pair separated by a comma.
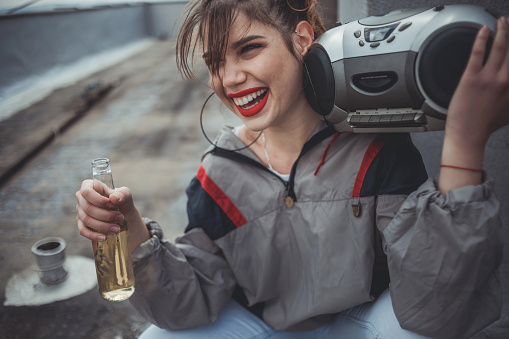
[[497, 150], [47, 36]]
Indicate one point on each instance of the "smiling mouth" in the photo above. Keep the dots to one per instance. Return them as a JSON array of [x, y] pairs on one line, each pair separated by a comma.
[[251, 101]]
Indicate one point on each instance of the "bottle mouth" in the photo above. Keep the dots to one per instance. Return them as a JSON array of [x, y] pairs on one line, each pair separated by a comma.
[[101, 165]]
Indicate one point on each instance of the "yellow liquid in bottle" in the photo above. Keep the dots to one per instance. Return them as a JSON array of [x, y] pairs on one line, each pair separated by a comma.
[[114, 267]]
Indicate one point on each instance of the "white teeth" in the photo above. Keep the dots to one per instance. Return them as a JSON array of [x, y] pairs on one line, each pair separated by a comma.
[[248, 98]]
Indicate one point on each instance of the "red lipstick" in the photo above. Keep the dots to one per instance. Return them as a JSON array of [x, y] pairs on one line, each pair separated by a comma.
[[257, 107], [244, 92]]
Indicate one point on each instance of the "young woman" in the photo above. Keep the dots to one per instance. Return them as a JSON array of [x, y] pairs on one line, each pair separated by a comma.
[[295, 230]]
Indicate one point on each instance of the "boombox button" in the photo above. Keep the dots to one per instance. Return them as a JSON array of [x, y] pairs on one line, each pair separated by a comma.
[[408, 117], [355, 118], [361, 43], [391, 39], [365, 118], [357, 34], [405, 26], [374, 119], [385, 119], [375, 44], [396, 118]]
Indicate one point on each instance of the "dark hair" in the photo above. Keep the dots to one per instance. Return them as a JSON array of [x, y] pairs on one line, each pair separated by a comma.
[[283, 15]]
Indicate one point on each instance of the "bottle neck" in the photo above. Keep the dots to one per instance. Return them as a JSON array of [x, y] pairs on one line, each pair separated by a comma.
[[101, 171]]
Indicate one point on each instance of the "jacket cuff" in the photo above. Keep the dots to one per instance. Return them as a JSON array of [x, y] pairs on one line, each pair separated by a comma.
[[461, 195], [151, 245]]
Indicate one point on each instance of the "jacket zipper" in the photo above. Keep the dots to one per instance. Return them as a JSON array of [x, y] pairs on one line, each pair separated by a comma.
[[289, 197]]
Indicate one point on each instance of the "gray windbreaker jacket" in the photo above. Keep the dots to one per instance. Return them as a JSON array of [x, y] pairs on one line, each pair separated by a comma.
[[356, 210]]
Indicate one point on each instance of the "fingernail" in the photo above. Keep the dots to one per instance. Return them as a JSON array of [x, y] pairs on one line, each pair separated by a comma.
[[114, 229], [119, 217], [101, 238]]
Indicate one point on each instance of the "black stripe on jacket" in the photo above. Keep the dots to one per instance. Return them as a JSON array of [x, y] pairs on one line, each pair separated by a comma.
[[204, 212], [397, 168]]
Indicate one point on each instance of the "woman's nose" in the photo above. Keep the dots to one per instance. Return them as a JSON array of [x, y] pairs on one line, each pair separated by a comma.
[[232, 74]]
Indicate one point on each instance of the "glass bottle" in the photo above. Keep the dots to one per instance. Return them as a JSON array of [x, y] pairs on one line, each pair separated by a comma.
[[113, 263]]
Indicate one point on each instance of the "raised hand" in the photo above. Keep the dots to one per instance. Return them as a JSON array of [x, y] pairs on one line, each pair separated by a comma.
[[479, 106]]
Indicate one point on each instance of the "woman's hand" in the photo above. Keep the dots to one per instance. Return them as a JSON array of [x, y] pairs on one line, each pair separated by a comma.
[[100, 209], [480, 104], [479, 107]]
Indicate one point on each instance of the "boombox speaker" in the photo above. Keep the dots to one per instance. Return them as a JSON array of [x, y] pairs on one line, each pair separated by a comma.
[[396, 72]]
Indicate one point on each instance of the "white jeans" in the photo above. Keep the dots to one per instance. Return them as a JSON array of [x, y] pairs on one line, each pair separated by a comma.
[[370, 320]]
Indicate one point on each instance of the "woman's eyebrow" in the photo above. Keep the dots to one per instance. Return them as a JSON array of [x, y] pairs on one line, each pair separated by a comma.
[[237, 44], [245, 40]]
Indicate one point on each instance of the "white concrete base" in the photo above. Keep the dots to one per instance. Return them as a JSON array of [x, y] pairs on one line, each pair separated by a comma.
[[26, 289]]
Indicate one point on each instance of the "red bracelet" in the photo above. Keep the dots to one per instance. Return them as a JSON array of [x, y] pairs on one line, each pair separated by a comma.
[[463, 168]]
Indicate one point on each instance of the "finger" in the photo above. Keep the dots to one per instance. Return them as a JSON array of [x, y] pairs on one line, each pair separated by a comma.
[[88, 233], [87, 210], [505, 66], [89, 192], [121, 196], [95, 226], [499, 49], [475, 63], [101, 188]]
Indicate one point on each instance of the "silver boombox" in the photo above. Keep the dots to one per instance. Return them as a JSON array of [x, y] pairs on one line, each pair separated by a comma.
[[396, 72]]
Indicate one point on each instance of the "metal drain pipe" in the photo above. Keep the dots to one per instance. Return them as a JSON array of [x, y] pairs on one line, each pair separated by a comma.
[[50, 257]]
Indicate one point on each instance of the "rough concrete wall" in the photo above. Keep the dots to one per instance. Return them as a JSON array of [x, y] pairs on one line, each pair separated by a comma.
[[35, 43], [497, 151], [328, 10], [163, 19], [349, 10]]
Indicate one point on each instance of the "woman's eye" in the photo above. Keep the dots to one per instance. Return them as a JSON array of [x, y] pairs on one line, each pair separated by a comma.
[[249, 48]]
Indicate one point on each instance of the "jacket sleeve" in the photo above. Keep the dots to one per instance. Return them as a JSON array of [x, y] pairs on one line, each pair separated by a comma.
[[186, 283], [443, 253]]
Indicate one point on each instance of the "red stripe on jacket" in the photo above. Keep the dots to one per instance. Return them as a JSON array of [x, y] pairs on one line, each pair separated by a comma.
[[373, 149], [220, 198]]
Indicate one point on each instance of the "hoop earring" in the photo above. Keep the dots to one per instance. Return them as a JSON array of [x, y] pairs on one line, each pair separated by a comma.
[[205, 134]]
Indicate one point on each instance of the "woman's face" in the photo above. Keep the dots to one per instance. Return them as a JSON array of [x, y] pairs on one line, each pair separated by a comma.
[[260, 80]]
